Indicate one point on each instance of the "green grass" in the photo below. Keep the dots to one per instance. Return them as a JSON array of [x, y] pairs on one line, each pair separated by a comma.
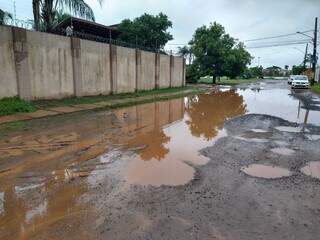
[[13, 105], [316, 88], [225, 81], [102, 98]]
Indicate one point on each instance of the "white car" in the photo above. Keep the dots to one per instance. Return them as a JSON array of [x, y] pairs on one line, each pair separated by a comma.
[[290, 79], [300, 81]]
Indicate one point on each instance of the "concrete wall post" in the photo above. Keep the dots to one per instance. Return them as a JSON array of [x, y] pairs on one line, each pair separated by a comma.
[[171, 70], [157, 70], [113, 68], [138, 69], [184, 72], [76, 66], [20, 49]]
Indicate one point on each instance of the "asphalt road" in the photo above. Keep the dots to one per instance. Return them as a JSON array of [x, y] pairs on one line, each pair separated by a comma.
[[238, 163]]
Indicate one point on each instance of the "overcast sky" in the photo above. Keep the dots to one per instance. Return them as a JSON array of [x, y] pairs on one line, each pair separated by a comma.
[[242, 19]]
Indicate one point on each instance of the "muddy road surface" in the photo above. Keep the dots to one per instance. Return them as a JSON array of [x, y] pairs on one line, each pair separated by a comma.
[[235, 163]]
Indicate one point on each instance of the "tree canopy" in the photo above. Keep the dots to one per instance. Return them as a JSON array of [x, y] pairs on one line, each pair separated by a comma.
[[47, 12], [4, 16], [297, 70], [146, 30], [217, 53]]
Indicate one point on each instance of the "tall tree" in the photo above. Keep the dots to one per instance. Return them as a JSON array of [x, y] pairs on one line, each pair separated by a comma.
[[36, 14], [4, 17], [147, 30], [217, 53], [46, 11]]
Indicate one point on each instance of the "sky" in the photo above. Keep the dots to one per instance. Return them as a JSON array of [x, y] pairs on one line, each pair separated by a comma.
[[242, 19]]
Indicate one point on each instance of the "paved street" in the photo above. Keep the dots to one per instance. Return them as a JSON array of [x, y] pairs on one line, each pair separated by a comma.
[[234, 163]]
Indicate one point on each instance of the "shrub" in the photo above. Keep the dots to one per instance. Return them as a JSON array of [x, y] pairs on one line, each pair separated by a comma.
[[14, 105]]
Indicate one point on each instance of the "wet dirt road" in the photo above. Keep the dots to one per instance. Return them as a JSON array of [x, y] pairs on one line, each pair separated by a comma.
[[235, 163]]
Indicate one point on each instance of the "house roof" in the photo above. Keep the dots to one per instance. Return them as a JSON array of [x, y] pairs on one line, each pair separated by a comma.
[[85, 27]]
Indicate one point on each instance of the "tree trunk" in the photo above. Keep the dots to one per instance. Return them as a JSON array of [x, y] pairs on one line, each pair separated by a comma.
[[213, 79], [36, 14]]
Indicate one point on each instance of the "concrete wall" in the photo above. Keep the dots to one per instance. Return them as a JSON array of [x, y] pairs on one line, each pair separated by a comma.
[[177, 72], [50, 66], [95, 68], [36, 65], [146, 70], [164, 72], [8, 79], [125, 70]]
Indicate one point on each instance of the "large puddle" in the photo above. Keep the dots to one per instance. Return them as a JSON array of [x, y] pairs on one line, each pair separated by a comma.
[[312, 169], [39, 161], [172, 149], [265, 171]]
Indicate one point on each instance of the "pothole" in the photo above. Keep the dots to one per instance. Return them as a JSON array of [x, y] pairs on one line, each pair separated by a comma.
[[281, 143], [255, 140], [265, 171], [312, 169], [283, 151], [313, 137], [256, 130], [291, 129]]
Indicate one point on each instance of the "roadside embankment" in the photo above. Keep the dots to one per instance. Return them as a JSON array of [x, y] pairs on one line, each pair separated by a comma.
[[14, 109], [316, 88], [224, 81]]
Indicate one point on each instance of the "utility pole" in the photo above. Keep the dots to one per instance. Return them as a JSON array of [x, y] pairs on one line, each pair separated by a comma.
[[314, 60], [305, 58], [15, 12]]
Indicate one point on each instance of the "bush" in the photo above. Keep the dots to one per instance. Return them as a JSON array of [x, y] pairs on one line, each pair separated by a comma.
[[14, 105], [316, 88]]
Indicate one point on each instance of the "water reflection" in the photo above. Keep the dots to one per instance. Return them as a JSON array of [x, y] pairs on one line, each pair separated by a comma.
[[208, 112], [155, 144], [33, 212], [307, 102], [282, 102], [176, 141]]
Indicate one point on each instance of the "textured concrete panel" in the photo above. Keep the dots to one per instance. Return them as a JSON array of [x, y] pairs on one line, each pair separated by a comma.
[[125, 70], [50, 65], [162, 113], [178, 72], [95, 61], [8, 79], [164, 76], [176, 109], [146, 75], [146, 117]]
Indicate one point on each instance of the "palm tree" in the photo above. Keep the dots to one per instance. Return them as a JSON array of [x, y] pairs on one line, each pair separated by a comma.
[[58, 18], [4, 16], [46, 11], [36, 14]]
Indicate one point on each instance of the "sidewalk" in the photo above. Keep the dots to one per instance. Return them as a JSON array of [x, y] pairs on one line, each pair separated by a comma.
[[52, 111]]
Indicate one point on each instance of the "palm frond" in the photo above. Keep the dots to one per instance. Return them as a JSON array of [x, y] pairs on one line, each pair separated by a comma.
[[78, 8]]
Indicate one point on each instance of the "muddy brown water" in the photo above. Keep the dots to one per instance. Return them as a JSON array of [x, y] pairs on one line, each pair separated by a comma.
[[45, 172], [312, 169], [265, 171]]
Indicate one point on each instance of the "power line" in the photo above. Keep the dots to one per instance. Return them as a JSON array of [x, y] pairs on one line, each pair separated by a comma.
[[279, 36], [278, 45]]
